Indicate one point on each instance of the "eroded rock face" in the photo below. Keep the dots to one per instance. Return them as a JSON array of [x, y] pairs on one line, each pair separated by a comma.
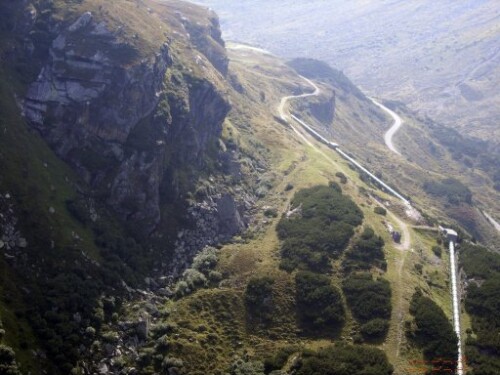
[[123, 121], [209, 41], [324, 108]]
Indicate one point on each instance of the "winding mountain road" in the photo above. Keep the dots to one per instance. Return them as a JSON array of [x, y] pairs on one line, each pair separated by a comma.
[[286, 99], [237, 46], [394, 128]]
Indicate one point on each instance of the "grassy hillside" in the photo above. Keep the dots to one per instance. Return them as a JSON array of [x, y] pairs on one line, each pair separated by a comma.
[[315, 282], [213, 325]]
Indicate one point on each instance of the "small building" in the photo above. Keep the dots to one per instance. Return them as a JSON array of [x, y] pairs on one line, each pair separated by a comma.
[[450, 234]]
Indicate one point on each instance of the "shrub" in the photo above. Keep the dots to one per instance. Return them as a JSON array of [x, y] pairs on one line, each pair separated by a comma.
[[433, 333], [368, 299], [380, 210], [259, 299], [206, 260], [375, 328], [279, 358], [342, 177], [344, 359], [452, 189], [170, 362], [323, 229], [194, 278], [271, 212], [182, 289], [482, 304], [214, 276], [319, 304], [437, 250], [419, 268], [366, 252], [241, 367]]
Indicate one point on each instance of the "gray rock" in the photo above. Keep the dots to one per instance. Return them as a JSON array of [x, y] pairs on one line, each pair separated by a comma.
[[81, 22], [21, 242], [103, 369], [2, 244], [230, 221]]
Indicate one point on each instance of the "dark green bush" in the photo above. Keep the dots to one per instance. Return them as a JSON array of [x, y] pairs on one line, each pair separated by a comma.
[[319, 304], [259, 300], [323, 229], [342, 177], [380, 210], [437, 250], [345, 360], [375, 328], [434, 333], [368, 299], [452, 189], [366, 252], [482, 303]]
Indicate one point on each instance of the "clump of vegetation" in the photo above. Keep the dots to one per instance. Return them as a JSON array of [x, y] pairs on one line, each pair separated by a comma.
[[200, 273], [482, 304], [370, 303], [319, 304], [478, 262], [470, 151], [259, 300], [380, 210], [452, 189], [344, 359], [375, 328], [419, 267], [366, 252], [271, 212], [279, 358], [434, 333], [437, 250], [321, 232], [342, 177], [242, 367]]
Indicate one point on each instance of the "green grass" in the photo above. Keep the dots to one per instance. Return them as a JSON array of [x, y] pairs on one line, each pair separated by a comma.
[[36, 178]]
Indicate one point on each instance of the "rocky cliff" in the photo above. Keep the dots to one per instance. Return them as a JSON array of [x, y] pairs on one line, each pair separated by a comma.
[[131, 123], [112, 165]]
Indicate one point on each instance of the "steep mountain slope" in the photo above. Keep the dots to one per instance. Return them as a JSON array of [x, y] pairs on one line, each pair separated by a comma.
[[111, 119], [143, 141], [262, 305], [429, 152], [441, 58]]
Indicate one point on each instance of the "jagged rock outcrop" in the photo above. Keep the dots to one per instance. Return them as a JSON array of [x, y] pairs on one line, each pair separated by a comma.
[[323, 108], [208, 39], [131, 125], [215, 220]]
